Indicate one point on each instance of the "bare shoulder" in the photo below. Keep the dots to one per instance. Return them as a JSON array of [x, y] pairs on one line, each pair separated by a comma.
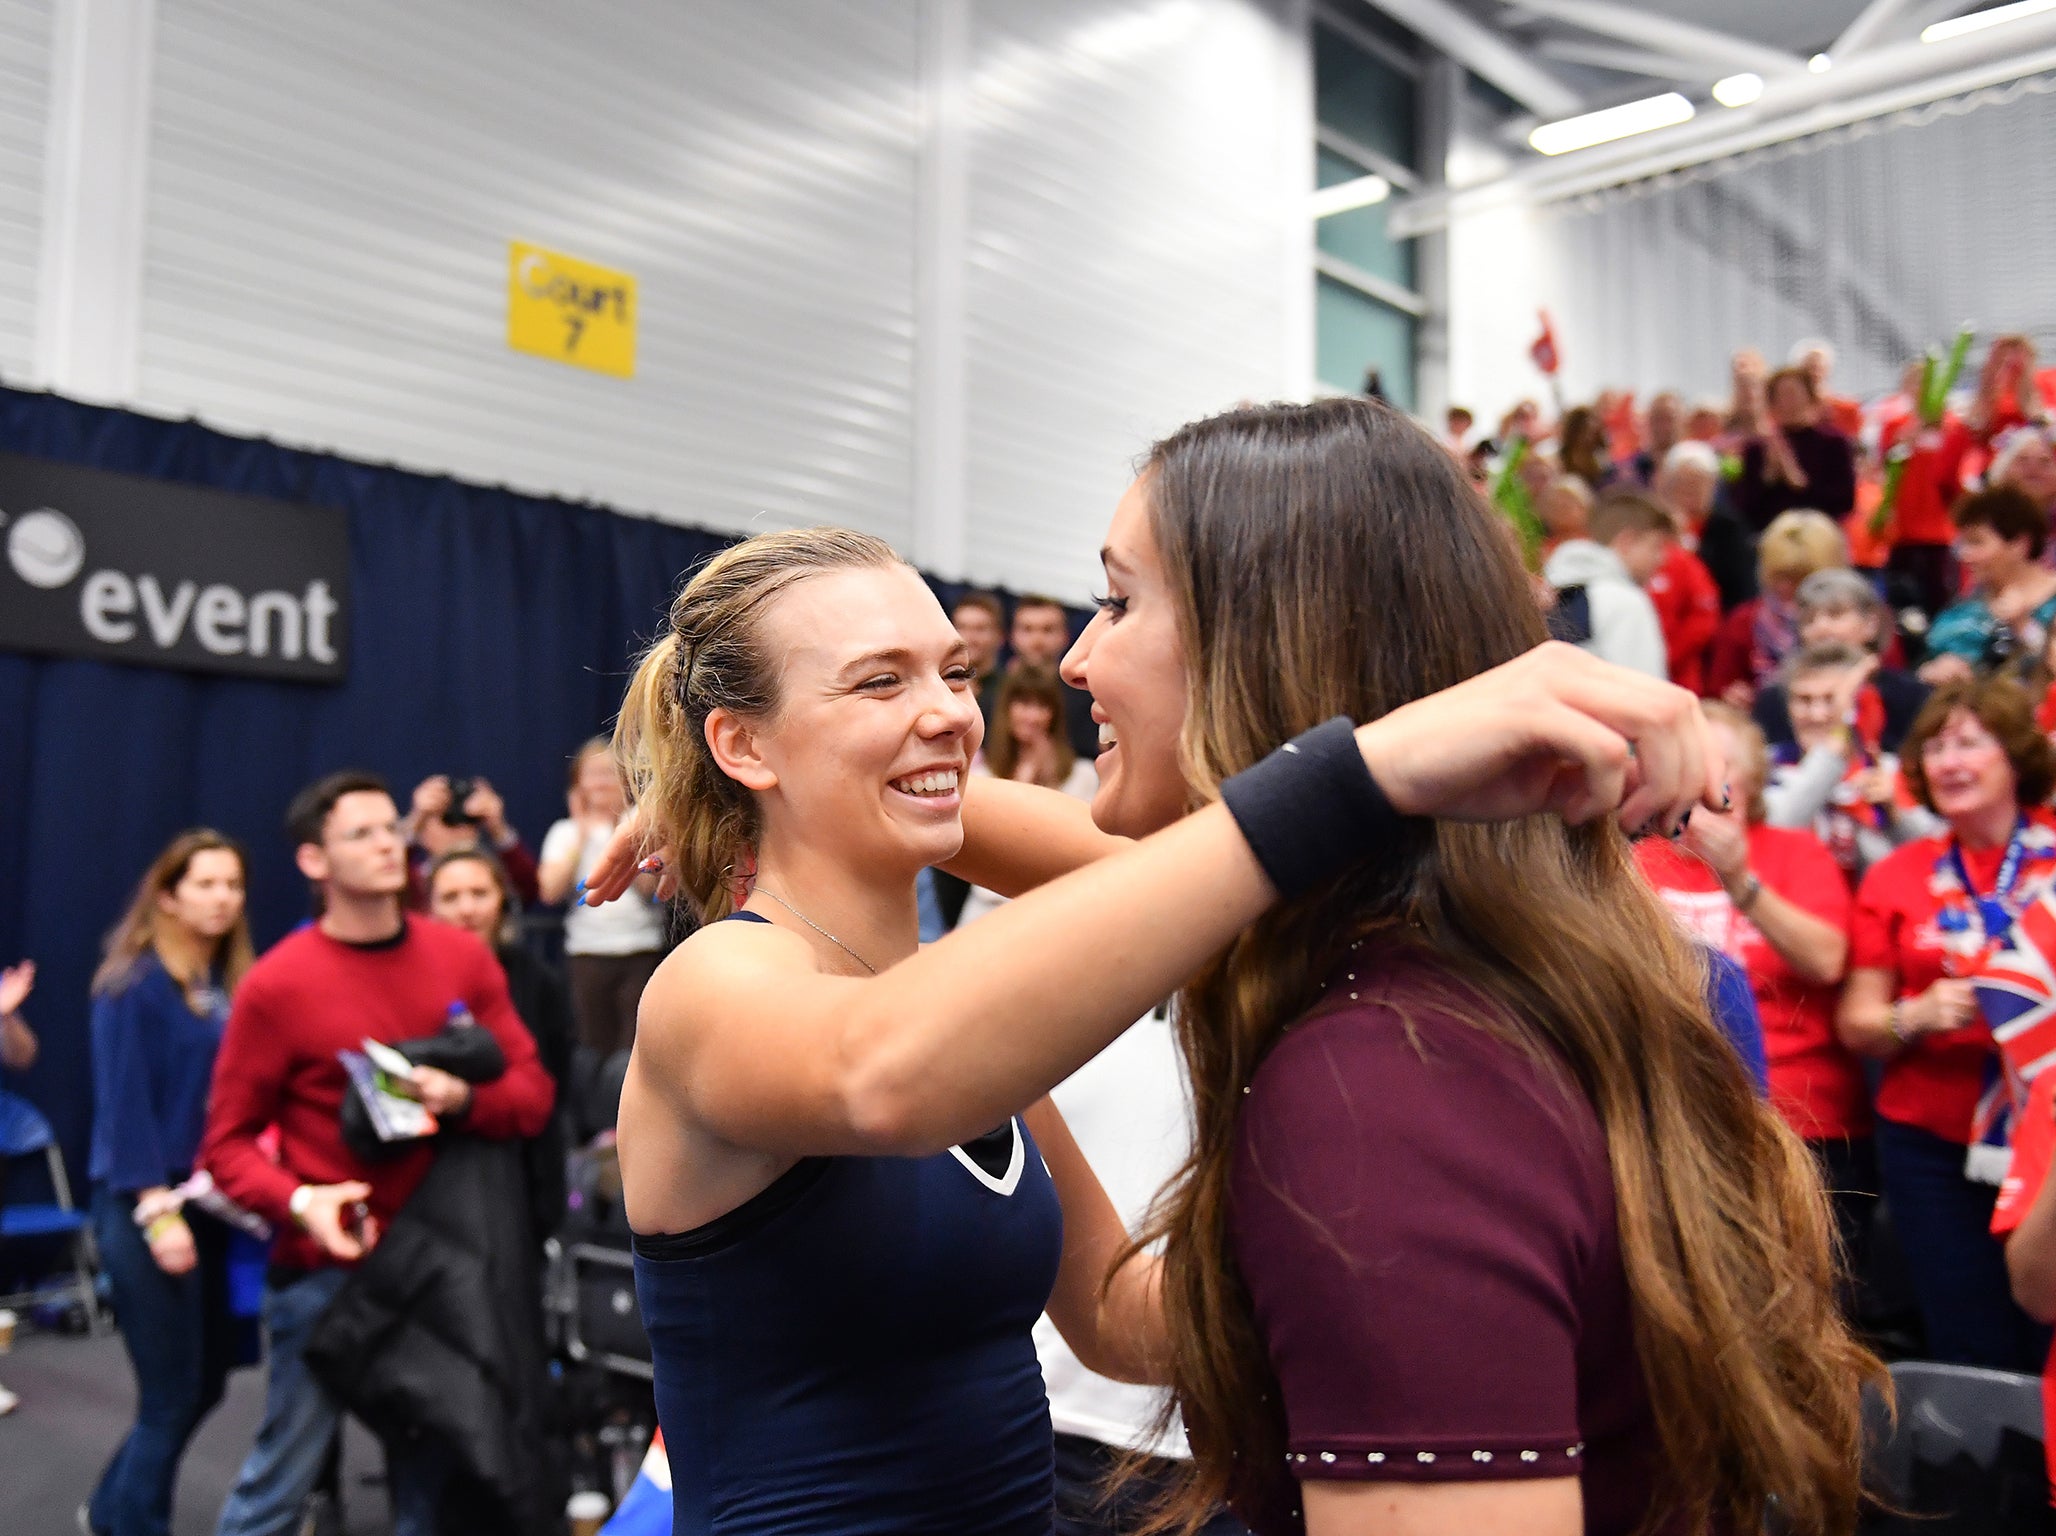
[[719, 969]]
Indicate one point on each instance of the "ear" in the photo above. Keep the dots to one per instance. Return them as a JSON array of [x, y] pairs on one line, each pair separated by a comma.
[[733, 741], [312, 862]]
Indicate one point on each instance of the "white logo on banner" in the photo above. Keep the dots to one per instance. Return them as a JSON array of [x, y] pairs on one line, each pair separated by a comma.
[[46, 548]]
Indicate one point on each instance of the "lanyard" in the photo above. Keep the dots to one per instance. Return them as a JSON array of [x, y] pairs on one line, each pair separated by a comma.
[[1993, 912]]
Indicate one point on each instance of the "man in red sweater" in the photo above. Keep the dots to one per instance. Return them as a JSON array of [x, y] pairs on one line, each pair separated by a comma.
[[364, 968]]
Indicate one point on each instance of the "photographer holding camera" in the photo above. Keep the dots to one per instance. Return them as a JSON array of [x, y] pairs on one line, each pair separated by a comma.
[[451, 814]]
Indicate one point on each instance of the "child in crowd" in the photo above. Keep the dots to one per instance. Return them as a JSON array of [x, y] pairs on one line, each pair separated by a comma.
[[1605, 573]]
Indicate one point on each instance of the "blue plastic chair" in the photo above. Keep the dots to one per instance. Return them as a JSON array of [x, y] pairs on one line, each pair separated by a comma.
[[24, 1133]]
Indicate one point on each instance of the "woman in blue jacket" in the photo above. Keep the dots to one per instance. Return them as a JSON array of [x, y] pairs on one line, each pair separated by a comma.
[[160, 1000]]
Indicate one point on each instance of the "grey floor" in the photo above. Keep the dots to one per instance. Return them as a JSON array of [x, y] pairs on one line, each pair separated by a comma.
[[77, 1397]]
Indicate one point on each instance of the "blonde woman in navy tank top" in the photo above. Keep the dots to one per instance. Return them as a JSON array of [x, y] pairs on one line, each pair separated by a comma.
[[850, 1196]]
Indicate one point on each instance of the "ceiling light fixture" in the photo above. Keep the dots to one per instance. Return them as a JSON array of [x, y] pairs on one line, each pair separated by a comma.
[[1603, 127], [1977, 21], [1740, 90], [1347, 196]]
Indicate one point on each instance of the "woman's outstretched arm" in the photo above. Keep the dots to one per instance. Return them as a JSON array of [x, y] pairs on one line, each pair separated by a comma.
[[772, 1055], [1020, 836], [1557, 730]]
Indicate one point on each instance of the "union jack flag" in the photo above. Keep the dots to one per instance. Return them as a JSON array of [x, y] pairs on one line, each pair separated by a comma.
[[2016, 991]]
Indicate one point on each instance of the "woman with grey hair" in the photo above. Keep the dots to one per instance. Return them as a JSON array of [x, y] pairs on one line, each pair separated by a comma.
[[1841, 607]]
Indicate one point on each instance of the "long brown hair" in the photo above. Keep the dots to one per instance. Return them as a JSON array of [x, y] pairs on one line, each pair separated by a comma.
[[1384, 579], [137, 930], [1032, 685], [711, 656]]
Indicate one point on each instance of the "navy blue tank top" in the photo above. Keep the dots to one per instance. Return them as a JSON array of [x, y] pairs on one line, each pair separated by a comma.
[[850, 1351]]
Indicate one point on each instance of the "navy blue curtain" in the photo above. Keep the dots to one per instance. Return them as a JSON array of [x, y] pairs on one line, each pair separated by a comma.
[[491, 633]]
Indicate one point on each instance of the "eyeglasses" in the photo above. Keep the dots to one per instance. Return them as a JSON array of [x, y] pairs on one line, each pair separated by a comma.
[[370, 830]]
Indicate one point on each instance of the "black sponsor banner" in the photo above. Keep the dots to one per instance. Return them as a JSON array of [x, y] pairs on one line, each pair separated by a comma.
[[127, 568]]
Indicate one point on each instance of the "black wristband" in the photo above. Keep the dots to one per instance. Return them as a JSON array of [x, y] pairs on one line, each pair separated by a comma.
[[1311, 809]]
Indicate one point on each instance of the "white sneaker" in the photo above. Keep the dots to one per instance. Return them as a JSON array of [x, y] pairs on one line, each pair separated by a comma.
[[9, 1401]]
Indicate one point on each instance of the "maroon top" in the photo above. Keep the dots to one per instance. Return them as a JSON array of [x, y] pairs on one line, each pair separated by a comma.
[[1426, 1227]]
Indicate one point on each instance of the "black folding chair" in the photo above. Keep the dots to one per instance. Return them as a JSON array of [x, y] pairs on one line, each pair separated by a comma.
[[1965, 1455]]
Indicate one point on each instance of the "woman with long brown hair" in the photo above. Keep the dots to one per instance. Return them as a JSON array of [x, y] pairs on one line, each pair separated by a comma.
[[844, 1234], [160, 999], [1483, 1228]]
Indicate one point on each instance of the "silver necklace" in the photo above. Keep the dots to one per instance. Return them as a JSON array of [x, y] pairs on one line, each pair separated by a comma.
[[763, 890]]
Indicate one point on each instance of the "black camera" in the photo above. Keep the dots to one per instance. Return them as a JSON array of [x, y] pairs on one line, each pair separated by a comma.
[[454, 814]]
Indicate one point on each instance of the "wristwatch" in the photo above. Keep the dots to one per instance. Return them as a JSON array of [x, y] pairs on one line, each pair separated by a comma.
[[301, 1199], [1749, 894], [1892, 1024]]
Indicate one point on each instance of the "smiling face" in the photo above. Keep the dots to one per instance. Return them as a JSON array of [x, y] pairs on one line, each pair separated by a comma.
[[1029, 721], [1132, 661], [1991, 561], [1967, 770], [1814, 701], [465, 895], [1846, 625], [208, 900], [2033, 469], [876, 721]]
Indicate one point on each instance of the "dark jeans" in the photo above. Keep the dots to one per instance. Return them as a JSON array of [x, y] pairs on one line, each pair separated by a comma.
[[295, 1440], [180, 1343], [1083, 1468], [606, 990], [1849, 1172], [1944, 1222]]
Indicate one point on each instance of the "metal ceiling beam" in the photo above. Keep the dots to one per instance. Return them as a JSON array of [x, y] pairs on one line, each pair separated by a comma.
[[1720, 51], [1938, 10], [1623, 60], [1873, 25], [1874, 84], [1486, 53]]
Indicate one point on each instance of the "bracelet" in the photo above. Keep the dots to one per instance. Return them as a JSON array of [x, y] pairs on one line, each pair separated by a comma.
[[1749, 894], [1311, 809], [302, 1198], [161, 1225], [1893, 1024]]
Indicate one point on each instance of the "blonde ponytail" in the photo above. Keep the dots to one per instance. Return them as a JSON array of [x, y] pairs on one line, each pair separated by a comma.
[[710, 657]]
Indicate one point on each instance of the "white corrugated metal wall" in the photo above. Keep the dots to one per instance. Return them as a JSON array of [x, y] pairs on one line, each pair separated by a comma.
[[1881, 237], [330, 193], [1128, 219], [24, 94]]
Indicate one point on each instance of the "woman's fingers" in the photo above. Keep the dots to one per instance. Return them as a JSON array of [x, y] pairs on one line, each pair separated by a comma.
[[1676, 761], [615, 869], [1596, 761]]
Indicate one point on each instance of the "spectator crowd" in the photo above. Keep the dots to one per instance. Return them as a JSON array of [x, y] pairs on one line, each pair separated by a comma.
[[367, 1137], [1864, 594], [353, 1158]]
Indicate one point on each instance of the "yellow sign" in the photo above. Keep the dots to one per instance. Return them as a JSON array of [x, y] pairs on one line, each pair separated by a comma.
[[570, 310]]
